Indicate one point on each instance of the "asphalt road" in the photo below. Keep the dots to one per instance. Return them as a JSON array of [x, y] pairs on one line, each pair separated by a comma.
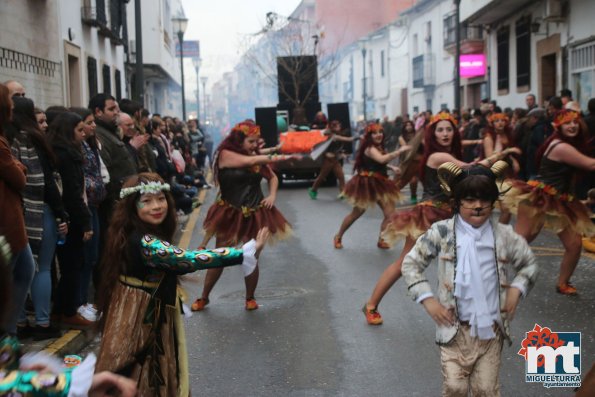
[[310, 338]]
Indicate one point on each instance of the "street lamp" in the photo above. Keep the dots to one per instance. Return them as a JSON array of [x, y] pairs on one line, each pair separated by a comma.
[[196, 61], [203, 80], [364, 79], [180, 24]]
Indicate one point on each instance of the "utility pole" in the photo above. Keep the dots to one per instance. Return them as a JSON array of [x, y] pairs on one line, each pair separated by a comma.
[[139, 78]]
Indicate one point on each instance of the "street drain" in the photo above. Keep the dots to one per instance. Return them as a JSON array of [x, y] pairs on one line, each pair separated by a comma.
[[268, 293]]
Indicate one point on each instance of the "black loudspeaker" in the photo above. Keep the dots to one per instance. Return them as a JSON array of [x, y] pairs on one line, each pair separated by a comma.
[[297, 79], [340, 111], [266, 118]]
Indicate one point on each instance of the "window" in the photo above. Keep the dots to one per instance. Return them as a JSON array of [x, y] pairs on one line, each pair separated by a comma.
[[107, 80], [450, 26], [92, 76], [523, 52], [382, 63], [118, 81], [502, 44]]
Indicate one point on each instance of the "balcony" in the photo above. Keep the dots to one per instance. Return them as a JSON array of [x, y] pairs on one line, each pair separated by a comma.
[[472, 41], [424, 75], [93, 16]]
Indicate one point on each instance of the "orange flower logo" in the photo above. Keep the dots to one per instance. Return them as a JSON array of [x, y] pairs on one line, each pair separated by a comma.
[[538, 337]]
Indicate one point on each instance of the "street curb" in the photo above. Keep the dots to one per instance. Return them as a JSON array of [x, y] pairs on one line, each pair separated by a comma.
[[71, 342]]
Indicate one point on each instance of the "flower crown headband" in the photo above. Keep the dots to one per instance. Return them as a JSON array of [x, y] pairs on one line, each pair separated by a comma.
[[374, 127], [248, 129], [144, 188], [565, 116], [498, 116], [443, 116]]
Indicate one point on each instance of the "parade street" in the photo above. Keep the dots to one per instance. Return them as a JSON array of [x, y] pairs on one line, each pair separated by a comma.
[[309, 336]]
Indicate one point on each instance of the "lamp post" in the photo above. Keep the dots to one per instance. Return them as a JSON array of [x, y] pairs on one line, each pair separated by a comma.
[[180, 24], [203, 80], [197, 62], [364, 79]]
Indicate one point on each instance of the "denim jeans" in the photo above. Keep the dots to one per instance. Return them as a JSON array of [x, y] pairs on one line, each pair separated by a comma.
[[41, 287], [91, 256], [23, 269]]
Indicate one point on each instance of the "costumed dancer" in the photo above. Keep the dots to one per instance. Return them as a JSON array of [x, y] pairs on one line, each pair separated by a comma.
[[484, 268], [498, 136], [241, 209], [409, 165], [548, 201], [442, 143], [332, 158], [370, 185], [138, 295]]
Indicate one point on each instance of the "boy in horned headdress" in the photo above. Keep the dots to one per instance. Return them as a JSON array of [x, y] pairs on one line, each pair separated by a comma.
[[483, 269]]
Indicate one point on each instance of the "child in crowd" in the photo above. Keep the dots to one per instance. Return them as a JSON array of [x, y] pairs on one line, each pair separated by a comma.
[[484, 268]]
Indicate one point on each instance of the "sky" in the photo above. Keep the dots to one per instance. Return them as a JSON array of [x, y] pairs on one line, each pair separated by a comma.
[[222, 26]]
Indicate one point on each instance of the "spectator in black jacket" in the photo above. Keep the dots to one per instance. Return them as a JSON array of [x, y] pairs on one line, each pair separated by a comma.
[[66, 135]]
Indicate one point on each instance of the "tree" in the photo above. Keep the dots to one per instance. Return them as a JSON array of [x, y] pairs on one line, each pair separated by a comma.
[[285, 54]]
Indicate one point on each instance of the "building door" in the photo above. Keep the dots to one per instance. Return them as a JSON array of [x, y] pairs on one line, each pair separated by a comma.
[[548, 77], [74, 80]]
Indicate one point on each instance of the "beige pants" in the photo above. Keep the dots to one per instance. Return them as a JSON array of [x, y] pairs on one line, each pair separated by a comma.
[[469, 363]]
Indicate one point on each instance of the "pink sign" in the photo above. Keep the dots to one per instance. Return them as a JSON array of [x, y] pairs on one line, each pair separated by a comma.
[[472, 65]]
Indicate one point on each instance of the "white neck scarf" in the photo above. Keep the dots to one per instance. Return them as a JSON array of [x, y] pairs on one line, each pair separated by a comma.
[[468, 281]]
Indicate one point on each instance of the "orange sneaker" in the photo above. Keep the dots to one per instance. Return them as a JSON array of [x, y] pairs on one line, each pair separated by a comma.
[[566, 289], [251, 304], [372, 315], [337, 242], [199, 304], [382, 244]]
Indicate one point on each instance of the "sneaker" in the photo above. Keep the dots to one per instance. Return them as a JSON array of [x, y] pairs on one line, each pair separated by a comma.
[[77, 321], [42, 333], [372, 315], [312, 193], [413, 200], [341, 196], [251, 304], [382, 244], [199, 304], [566, 289], [337, 242], [87, 312]]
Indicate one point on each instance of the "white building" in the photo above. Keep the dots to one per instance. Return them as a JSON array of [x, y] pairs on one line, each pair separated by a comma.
[[384, 56], [537, 47], [92, 36], [161, 67]]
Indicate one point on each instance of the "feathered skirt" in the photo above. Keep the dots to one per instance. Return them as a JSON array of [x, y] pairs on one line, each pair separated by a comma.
[[367, 188], [558, 211], [233, 225], [413, 222]]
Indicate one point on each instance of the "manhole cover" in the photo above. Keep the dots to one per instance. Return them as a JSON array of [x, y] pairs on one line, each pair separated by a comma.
[[268, 293]]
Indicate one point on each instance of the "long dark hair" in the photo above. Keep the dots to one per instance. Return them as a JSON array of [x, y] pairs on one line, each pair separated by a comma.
[[61, 130], [84, 113], [432, 146], [5, 107], [124, 222], [23, 118], [365, 143]]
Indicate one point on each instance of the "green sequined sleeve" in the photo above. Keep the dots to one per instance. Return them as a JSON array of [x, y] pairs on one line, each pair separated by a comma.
[[165, 256], [14, 382]]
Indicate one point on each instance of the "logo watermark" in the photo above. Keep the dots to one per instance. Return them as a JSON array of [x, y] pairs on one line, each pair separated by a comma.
[[552, 358]]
